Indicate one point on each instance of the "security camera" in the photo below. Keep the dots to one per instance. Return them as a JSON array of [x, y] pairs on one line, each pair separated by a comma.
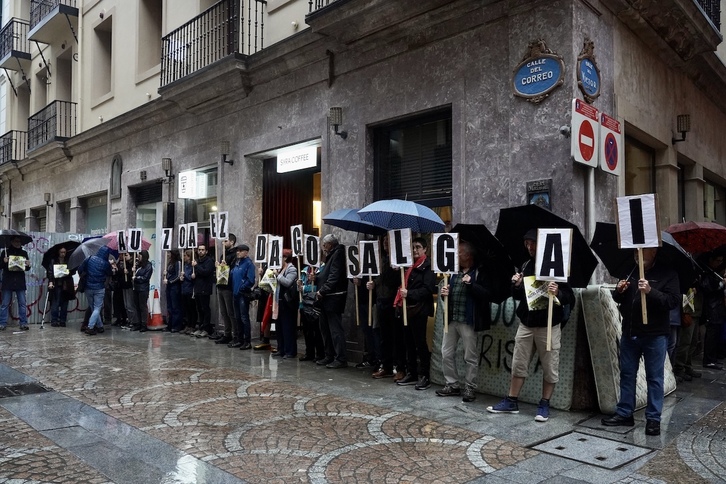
[[565, 131]]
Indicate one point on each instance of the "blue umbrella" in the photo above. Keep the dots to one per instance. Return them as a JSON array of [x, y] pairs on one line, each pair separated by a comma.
[[348, 219], [402, 214]]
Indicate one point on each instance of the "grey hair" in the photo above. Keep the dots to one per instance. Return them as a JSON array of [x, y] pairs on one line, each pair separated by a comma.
[[330, 239]]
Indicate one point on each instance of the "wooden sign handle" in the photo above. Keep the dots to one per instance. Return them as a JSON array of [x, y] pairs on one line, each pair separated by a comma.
[[550, 305], [642, 294], [446, 305], [403, 286], [370, 303]]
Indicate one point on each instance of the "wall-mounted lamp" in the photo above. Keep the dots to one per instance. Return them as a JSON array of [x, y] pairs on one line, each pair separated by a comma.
[[683, 121], [46, 197], [166, 166], [2, 211], [224, 149], [336, 119]]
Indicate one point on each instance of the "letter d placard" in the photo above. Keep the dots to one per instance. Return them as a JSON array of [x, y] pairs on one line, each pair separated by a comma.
[[261, 249]]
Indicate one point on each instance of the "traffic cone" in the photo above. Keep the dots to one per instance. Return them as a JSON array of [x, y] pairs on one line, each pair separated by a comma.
[[155, 321]]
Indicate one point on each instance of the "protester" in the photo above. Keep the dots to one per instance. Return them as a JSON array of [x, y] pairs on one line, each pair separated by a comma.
[[61, 289], [286, 296], [532, 336], [418, 297], [141, 280], [242, 279], [189, 304], [649, 341], [332, 293], [469, 294], [95, 269], [228, 334], [14, 264], [126, 284], [712, 287], [371, 332], [688, 336], [203, 276], [310, 315], [172, 280]]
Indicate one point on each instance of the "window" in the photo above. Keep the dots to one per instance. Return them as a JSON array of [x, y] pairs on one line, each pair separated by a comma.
[[714, 196], [102, 59], [639, 167], [413, 159], [116, 170], [96, 215], [149, 35]]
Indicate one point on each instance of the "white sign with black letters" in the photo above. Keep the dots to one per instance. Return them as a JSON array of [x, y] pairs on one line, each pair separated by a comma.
[[192, 235], [370, 258], [167, 236], [445, 257], [312, 250], [261, 248], [552, 261], [182, 236], [135, 240], [400, 248], [638, 221], [121, 239], [296, 238], [274, 252], [352, 261]]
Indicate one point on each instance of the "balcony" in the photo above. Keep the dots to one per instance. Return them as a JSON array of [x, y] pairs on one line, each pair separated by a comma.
[[316, 5], [13, 146], [56, 122], [52, 20], [228, 28], [14, 46]]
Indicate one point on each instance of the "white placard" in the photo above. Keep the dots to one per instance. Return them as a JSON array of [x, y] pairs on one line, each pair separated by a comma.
[[370, 258], [223, 225], [352, 261], [274, 252], [261, 249], [182, 232], [296, 239], [638, 221], [135, 236], [167, 236], [400, 248], [445, 257], [192, 235], [552, 261], [312, 250], [121, 242]]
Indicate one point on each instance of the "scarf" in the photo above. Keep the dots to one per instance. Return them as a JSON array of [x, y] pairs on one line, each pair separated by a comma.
[[398, 302]]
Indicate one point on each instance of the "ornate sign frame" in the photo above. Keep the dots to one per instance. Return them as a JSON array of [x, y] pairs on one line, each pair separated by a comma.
[[586, 60], [530, 71]]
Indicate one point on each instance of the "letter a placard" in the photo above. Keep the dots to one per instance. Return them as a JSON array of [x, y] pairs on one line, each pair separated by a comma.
[[370, 265], [121, 238], [274, 252], [552, 263]]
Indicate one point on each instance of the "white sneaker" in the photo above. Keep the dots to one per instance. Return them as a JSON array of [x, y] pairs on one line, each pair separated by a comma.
[[202, 334], [197, 333]]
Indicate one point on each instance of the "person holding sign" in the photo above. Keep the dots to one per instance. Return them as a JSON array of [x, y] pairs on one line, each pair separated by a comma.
[[189, 304], [172, 281], [286, 296], [649, 341], [203, 276], [14, 264], [469, 294], [418, 297], [332, 293], [60, 282], [142, 283], [712, 286], [229, 335], [532, 336], [242, 278]]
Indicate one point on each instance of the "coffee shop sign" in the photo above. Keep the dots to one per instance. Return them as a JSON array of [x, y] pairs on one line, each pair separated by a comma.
[[539, 73]]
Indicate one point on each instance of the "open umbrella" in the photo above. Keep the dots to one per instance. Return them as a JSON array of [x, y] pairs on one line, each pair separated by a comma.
[[52, 252], [491, 255], [698, 237], [348, 219], [514, 222], [621, 264], [87, 248], [7, 235], [113, 241], [402, 214]]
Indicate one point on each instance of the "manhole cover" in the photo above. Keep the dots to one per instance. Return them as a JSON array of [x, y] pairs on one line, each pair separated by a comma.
[[21, 389], [593, 450]]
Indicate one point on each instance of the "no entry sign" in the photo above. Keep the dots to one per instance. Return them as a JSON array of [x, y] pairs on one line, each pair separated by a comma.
[[585, 133], [611, 144]]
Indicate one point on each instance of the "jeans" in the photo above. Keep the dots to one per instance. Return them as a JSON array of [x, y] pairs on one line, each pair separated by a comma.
[[242, 315], [653, 351], [22, 307], [173, 306], [58, 306], [95, 302]]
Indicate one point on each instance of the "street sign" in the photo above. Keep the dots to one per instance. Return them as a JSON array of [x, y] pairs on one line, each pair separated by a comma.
[[585, 127], [611, 145]]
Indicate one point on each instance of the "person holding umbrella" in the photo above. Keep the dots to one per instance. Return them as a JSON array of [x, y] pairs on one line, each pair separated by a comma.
[[96, 268], [650, 341], [332, 293], [14, 264], [532, 336], [61, 285]]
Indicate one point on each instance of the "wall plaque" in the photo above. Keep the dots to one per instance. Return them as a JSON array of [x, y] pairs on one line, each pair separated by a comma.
[[539, 73], [588, 74]]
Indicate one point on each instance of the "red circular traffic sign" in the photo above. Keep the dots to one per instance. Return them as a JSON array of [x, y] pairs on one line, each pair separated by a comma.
[[611, 152], [586, 140]]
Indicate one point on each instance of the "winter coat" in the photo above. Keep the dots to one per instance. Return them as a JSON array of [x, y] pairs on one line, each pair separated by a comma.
[[204, 276], [332, 281], [242, 276], [538, 318], [421, 286], [13, 280], [188, 282], [142, 277], [479, 294], [96, 268]]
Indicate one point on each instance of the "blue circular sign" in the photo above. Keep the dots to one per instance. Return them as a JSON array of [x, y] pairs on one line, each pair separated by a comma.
[[589, 77], [537, 76], [611, 152]]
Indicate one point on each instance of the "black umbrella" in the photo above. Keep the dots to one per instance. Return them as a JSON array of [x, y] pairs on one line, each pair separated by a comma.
[[86, 249], [514, 222], [621, 263], [490, 255], [52, 253], [9, 234]]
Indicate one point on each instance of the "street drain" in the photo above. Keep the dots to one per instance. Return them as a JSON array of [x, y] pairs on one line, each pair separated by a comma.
[[22, 389], [593, 450]]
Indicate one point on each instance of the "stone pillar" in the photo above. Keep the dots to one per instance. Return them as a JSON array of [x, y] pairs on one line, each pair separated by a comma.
[[31, 221], [78, 222], [666, 186], [694, 187]]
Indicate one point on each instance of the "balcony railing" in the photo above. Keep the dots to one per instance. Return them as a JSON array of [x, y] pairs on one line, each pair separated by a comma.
[[13, 146], [57, 121], [211, 36], [39, 9], [14, 38], [712, 9], [318, 4]]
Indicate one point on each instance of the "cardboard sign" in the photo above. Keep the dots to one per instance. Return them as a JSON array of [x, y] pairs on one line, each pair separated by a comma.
[[311, 256], [352, 261], [638, 222], [135, 240], [296, 238], [60, 270], [16, 263], [182, 243], [218, 222], [369, 252], [167, 235], [552, 261], [261, 249], [121, 237], [192, 235], [274, 250], [445, 258], [400, 247]]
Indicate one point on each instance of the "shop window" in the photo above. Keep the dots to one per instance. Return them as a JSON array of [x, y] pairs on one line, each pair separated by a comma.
[[96, 215], [639, 167], [413, 159], [714, 196], [201, 200]]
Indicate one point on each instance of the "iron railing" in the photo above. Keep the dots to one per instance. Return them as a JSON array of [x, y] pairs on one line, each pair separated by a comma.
[[57, 121], [13, 146], [211, 36], [712, 9], [14, 37], [318, 4], [39, 9]]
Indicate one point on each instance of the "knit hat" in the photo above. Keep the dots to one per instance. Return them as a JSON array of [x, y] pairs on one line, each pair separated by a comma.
[[531, 235]]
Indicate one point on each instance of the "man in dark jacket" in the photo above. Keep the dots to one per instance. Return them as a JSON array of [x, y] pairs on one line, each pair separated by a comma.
[[203, 276], [332, 293], [649, 340], [712, 288], [470, 293], [532, 335], [227, 335], [96, 269], [14, 282]]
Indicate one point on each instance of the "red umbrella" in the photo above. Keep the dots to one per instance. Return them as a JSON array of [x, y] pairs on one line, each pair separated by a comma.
[[698, 237]]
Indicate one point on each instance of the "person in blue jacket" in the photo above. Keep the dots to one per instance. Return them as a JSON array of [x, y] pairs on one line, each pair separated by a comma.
[[96, 269], [242, 275]]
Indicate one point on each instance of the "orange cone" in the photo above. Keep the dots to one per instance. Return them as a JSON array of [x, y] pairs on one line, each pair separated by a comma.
[[155, 320]]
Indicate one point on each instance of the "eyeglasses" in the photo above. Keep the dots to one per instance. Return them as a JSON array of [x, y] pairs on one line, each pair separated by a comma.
[[418, 247]]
